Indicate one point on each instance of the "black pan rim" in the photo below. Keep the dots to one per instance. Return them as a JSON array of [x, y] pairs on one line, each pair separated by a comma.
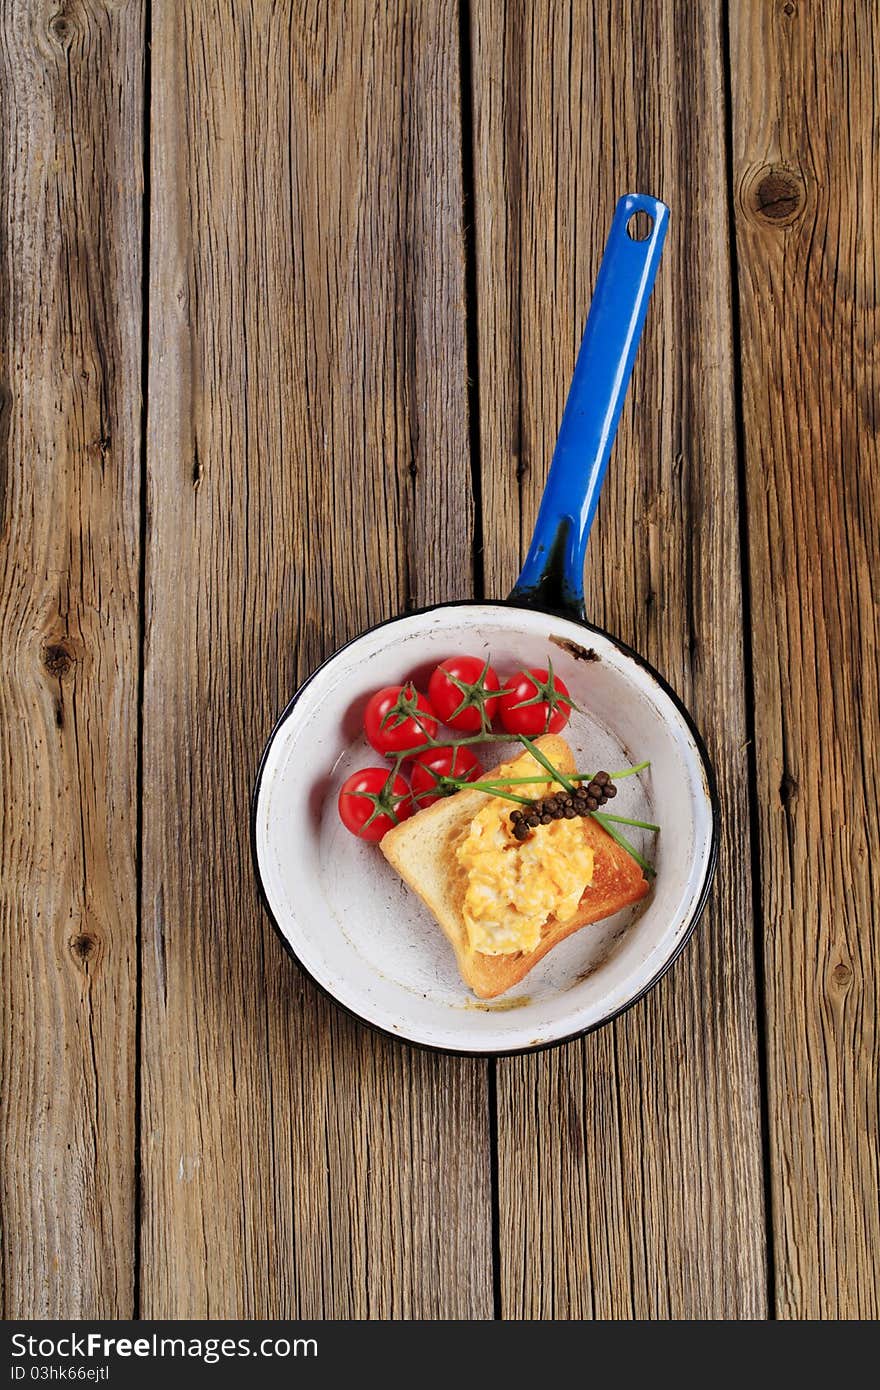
[[696, 911]]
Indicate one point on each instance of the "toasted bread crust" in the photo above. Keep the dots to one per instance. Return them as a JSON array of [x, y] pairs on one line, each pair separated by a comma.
[[422, 850]]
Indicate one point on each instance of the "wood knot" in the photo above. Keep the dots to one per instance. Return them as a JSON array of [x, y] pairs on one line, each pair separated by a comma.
[[61, 29], [100, 447], [84, 946], [775, 195], [841, 974], [788, 789], [57, 659]]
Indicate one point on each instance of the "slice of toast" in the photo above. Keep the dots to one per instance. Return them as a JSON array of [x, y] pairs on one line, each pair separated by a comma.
[[422, 850]]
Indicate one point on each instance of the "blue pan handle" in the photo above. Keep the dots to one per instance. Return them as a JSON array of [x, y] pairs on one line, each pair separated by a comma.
[[552, 578]]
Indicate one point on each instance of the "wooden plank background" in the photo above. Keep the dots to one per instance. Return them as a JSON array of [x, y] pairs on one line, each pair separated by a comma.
[[274, 273], [672, 1088], [807, 190], [294, 1153], [71, 87]]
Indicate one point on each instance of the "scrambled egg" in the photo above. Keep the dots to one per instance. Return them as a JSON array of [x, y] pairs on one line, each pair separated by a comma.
[[513, 886]]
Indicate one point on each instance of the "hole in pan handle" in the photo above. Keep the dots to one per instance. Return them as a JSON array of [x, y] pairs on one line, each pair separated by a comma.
[[552, 578]]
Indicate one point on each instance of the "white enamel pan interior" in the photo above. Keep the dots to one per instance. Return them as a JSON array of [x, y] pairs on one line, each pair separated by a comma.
[[368, 941]]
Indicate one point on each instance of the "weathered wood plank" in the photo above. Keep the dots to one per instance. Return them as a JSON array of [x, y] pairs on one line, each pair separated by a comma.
[[71, 165], [806, 120], [308, 474], [630, 1163]]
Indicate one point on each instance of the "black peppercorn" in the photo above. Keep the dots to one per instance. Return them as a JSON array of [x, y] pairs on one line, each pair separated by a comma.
[[592, 803]]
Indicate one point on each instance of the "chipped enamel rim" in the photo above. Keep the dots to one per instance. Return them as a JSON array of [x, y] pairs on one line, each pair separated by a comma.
[[678, 932]]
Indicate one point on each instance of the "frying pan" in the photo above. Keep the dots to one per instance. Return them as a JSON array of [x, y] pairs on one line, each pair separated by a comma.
[[342, 911]]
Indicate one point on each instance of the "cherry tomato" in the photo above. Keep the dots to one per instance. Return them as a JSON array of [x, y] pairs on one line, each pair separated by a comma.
[[398, 717], [371, 802], [430, 767], [535, 702], [463, 693]]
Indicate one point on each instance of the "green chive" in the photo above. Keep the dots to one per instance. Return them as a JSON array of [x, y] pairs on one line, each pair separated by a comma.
[[640, 767], [624, 820], [624, 843], [493, 790], [545, 762]]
